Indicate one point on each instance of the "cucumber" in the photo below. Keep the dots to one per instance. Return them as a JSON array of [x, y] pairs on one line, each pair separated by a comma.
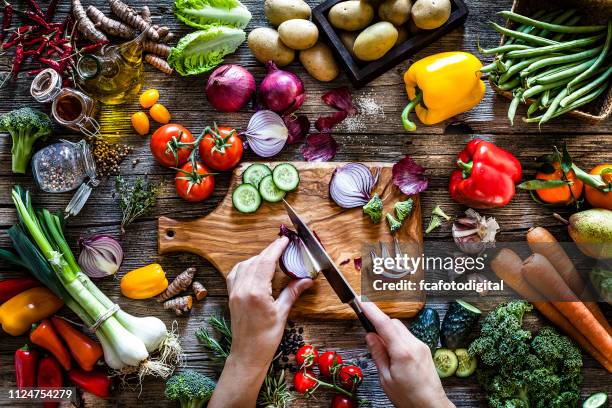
[[467, 364], [286, 177], [446, 362], [255, 173], [597, 400], [426, 327], [246, 198], [458, 324], [269, 191]]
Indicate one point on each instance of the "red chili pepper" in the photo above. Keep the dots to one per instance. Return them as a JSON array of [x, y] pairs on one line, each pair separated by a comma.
[[35, 7], [486, 177], [46, 337], [6, 19], [34, 41], [49, 376], [50, 63], [51, 10], [12, 287], [93, 47], [18, 59], [95, 382], [38, 19], [26, 361]]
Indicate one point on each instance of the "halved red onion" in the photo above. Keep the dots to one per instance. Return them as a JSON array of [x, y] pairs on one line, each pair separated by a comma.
[[351, 185], [266, 133], [295, 261], [101, 255]]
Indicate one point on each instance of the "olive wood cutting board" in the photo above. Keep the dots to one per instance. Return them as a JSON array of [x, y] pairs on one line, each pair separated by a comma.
[[225, 237]]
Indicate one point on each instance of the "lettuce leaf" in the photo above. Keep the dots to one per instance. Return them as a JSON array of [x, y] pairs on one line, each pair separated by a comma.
[[203, 50], [202, 13]]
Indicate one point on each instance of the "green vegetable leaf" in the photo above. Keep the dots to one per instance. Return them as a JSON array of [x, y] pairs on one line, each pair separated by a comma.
[[542, 184], [566, 160], [203, 13]]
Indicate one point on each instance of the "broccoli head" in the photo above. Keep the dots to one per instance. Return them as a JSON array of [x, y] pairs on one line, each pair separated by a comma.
[[25, 125], [403, 209], [190, 388], [374, 208], [394, 224]]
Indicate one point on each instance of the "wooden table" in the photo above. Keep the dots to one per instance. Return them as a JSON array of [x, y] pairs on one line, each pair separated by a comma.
[[377, 135]]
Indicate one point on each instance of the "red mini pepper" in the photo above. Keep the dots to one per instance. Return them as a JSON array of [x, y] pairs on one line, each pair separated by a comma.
[[26, 361], [49, 376], [486, 177], [84, 349], [12, 287], [45, 336], [95, 382]]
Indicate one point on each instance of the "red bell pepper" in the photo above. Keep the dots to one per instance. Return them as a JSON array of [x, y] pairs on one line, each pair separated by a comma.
[[95, 382], [12, 287], [486, 176], [44, 335], [50, 376], [26, 361]]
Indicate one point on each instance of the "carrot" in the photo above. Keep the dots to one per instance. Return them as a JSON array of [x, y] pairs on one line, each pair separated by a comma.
[[540, 273], [507, 266]]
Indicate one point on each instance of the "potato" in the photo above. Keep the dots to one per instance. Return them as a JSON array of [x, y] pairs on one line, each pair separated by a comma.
[[375, 41], [279, 11], [319, 62], [348, 39], [266, 45], [431, 14], [351, 15], [397, 12], [298, 34]]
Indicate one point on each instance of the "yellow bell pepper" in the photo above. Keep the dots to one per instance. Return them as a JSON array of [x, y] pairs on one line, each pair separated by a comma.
[[441, 86], [33, 305], [145, 282]]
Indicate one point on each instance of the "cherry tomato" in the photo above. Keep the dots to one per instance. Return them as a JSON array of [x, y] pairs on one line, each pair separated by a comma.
[[350, 377], [302, 383], [149, 98], [307, 356], [194, 186], [329, 363], [167, 145], [221, 148], [342, 401], [140, 123], [160, 114]]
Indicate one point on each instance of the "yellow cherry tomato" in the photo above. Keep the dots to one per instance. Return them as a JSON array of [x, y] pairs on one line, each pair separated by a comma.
[[159, 113], [149, 98], [140, 123]]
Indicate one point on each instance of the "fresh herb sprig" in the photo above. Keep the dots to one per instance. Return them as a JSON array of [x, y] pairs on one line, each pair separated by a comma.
[[136, 199]]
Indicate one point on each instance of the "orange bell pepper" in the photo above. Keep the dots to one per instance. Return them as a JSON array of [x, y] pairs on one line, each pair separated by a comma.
[[30, 306], [84, 349], [45, 336]]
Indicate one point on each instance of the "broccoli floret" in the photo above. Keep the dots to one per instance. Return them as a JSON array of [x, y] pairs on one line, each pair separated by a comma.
[[190, 388], [25, 125], [394, 224], [374, 208], [437, 215], [403, 209]]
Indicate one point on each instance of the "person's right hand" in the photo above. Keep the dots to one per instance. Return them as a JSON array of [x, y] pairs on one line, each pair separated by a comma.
[[405, 366]]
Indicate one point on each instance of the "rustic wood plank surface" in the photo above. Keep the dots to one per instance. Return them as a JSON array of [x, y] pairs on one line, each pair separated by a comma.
[[376, 135]]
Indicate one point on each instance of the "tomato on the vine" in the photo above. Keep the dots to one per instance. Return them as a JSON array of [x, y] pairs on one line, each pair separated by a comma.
[[350, 377], [194, 184], [221, 148], [171, 145], [302, 381], [329, 362], [342, 401], [307, 356]]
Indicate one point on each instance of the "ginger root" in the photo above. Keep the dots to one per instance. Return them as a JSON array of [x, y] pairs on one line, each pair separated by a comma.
[[109, 25]]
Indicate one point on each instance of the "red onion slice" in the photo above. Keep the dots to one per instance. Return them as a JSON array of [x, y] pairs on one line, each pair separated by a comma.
[[295, 261], [351, 185]]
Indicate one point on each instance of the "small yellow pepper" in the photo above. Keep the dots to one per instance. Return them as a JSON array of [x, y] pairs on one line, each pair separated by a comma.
[[33, 305], [441, 86], [145, 282]]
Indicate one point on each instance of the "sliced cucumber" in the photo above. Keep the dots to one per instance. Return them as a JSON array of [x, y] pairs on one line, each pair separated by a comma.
[[269, 191], [286, 177], [246, 198], [446, 362], [466, 363], [469, 307], [597, 400], [255, 173]]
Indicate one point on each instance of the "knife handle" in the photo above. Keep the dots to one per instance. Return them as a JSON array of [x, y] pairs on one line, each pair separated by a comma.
[[365, 322]]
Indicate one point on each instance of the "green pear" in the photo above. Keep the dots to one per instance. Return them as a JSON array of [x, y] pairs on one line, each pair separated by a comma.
[[591, 230]]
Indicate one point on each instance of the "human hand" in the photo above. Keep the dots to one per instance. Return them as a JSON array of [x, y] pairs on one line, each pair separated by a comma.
[[405, 366]]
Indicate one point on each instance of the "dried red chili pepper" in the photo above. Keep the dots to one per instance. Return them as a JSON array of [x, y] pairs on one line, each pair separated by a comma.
[[93, 47], [37, 19], [35, 7], [18, 59], [51, 10], [25, 367], [50, 63], [6, 19]]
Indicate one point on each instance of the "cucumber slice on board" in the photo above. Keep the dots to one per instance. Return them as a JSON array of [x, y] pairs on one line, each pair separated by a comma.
[[246, 198], [255, 173], [597, 400], [269, 191], [286, 177], [467, 364], [446, 362]]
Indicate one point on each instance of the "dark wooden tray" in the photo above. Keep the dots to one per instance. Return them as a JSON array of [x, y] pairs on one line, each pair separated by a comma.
[[360, 72]]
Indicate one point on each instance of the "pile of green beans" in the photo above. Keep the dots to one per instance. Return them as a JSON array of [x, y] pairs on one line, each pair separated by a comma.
[[550, 62]]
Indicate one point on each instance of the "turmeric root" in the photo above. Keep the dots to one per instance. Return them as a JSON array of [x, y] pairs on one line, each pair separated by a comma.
[[131, 18], [85, 25], [167, 38], [199, 290], [178, 285], [161, 50], [109, 25], [159, 63], [181, 305], [145, 13]]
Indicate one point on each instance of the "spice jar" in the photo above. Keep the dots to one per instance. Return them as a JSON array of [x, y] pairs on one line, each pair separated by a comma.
[[70, 108], [64, 166]]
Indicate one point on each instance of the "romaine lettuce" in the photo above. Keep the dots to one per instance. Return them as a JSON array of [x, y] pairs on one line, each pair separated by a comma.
[[202, 13]]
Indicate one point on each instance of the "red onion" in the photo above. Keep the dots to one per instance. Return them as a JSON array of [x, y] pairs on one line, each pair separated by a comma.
[[409, 176], [281, 91], [229, 88], [351, 185], [295, 261], [266, 133], [100, 256]]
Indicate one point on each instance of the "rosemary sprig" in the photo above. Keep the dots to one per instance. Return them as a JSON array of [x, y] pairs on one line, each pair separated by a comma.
[[135, 200], [274, 393]]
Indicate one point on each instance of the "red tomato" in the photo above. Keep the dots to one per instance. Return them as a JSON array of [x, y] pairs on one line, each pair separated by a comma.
[[350, 377], [342, 401], [329, 362], [307, 356], [195, 185], [168, 145], [302, 383], [221, 148]]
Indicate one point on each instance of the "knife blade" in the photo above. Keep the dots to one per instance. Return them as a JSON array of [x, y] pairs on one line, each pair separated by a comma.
[[324, 264]]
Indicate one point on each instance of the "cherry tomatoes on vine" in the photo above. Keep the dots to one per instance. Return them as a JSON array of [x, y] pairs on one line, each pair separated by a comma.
[[221, 148], [329, 362], [170, 145], [342, 401], [307, 356], [194, 185], [304, 381], [350, 377]]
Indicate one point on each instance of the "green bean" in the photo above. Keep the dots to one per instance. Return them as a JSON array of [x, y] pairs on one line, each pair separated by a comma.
[[569, 99], [509, 85], [551, 27], [534, 106], [529, 38], [530, 81], [554, 106], [488, 68], [559, 36], [546, 98], [566, 73], [537, 51], [580, 102], [516, 99], [562, 59], [557, 20], [500, 65], [523, 28], [600, 59], [504, 48], [535, 90], [518, 67]]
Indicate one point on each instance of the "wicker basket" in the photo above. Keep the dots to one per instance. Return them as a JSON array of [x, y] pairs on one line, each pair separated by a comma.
[[595, 11]]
